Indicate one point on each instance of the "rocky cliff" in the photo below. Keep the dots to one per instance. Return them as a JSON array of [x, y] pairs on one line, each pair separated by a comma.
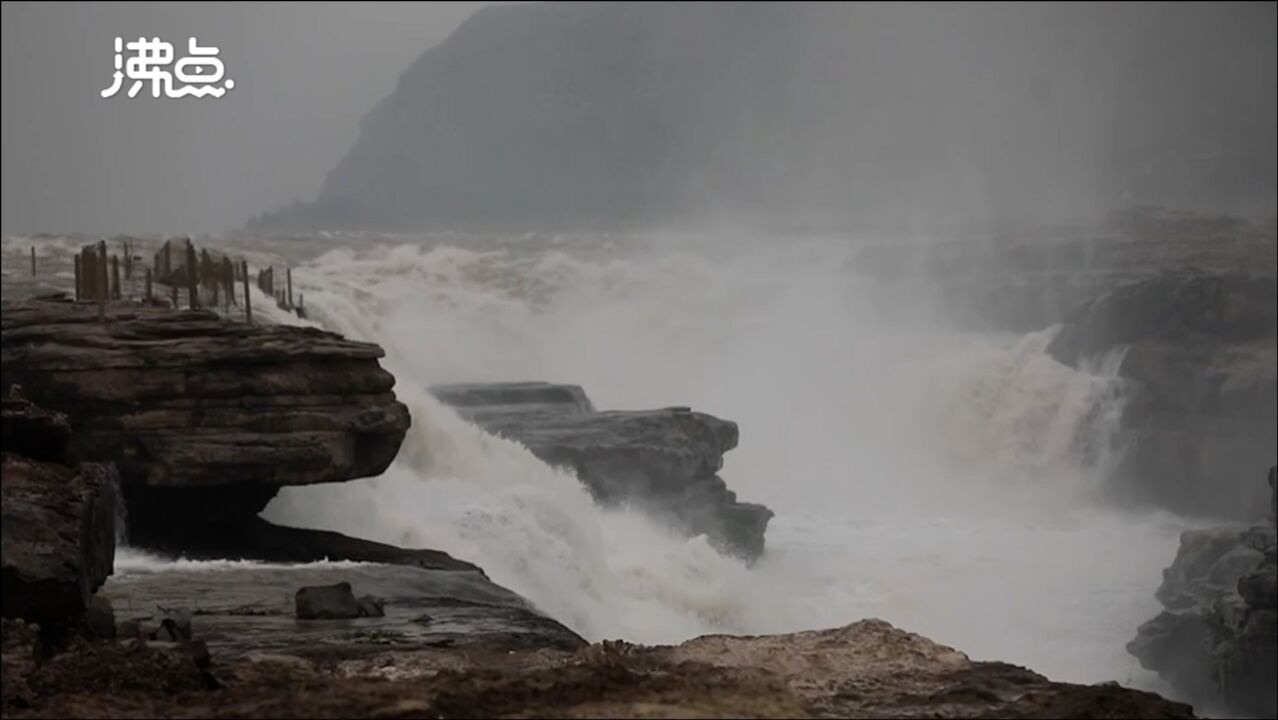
[[1217, 639], [1198, 353], [572, 116]]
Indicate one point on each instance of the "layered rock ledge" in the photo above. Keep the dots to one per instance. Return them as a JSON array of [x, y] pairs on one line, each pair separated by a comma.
[[205, 419], [664, 461]]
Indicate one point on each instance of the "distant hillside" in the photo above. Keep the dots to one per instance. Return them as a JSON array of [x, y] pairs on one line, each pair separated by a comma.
[[578, 116]]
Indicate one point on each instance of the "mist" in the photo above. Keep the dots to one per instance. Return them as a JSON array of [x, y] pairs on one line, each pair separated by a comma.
[[304, 73]]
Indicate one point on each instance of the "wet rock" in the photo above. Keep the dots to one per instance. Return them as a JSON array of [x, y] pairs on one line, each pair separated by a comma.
[[175, 626], [99, 620], [662, 461], [58, 542], [334, 602], [1216, 641], [204, 418]]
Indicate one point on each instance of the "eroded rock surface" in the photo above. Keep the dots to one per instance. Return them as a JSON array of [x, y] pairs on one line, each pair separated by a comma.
[[664, 461]]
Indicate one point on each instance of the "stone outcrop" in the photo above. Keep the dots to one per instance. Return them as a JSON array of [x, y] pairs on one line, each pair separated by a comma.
[[663, 461], [868, 669], [58, 526], [204, 418], [1198, 353], [1216, 639]]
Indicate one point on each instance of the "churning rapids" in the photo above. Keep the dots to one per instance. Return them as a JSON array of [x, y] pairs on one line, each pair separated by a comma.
[[949, 482]]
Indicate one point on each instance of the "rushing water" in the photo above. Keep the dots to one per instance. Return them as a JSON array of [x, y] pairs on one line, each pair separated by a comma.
[[947, 481]]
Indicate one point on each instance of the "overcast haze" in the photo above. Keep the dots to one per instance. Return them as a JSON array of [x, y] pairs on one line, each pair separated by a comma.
[[560, 116], [304, 75]]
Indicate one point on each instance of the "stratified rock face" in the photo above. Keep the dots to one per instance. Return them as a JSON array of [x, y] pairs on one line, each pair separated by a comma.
[[1199, 352], [58, 538], [1216, 640], [204, 417], [664, 461]]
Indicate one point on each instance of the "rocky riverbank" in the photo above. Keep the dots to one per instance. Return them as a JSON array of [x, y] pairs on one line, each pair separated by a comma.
[[1216, 640], [868, 669]]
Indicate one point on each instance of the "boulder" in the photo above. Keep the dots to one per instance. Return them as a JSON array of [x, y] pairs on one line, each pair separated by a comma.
[[1198, 355], [662, 461], [99, 619], [334, 602], [175, 626], [369, 606], [58, 538], [205, 418]]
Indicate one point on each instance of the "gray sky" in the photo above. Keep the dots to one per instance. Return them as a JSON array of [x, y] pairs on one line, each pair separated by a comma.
[[304, 75]]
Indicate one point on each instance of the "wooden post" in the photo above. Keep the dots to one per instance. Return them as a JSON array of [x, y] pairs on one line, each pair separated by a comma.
[[211, 279], [102, 279], [167, 272], [148, 285], [115, 277], [248, 303], [173, 293], [77, 277], [228, 277], [288, 277], [192, 277], [33, 267], [86, 274], [128, 260]]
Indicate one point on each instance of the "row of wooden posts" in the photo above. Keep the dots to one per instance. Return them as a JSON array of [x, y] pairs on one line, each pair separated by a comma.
[[283, 296], [97, 277]]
